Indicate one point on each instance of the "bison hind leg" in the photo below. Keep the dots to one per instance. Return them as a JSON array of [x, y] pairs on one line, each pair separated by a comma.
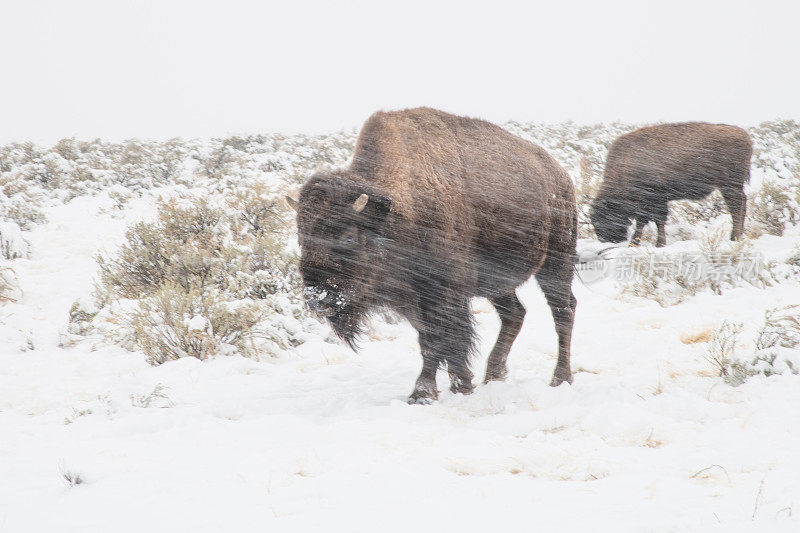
[[736, 201], [555, 280], [512, 314]]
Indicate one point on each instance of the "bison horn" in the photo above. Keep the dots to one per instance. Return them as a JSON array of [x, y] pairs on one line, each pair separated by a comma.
[[292, 202], [360, 203]]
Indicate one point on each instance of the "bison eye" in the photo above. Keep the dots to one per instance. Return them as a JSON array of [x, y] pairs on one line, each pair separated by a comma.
[[347, 239]]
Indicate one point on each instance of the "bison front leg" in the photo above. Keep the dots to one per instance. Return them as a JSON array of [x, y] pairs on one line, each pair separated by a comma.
[[661, 213], [661, 239], [425, 387], [445, 337]]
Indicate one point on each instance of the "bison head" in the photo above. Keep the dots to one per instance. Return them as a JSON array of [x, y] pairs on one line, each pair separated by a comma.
[[341, 228], [610, 220]]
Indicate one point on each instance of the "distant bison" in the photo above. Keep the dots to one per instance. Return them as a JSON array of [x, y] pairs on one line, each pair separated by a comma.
[[435, 209], [651, 166]]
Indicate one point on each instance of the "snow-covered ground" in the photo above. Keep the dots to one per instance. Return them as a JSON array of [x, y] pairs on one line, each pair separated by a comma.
[[648, 438]]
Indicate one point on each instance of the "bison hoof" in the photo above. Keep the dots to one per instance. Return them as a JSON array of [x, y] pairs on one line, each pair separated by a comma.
[[461, 385], [424, 395], [419, 399], [560, 377], [499, 374]]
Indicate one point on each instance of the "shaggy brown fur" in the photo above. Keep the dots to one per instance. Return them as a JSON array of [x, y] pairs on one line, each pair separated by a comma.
[[651, 166], [455, 208]]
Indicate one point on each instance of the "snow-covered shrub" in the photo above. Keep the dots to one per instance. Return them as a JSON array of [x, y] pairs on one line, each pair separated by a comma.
[[776, 347], [781, 328], [660, 278], [259, 209], [172, 323], [208, 278], [718, 264], [72, 478], [20, 200], [776, 148], [721, 350], [731, 263], [778, 342], [586, 186], [219, 161], [776, 156], [156, 398], [12, 244], [776, 361], [775, 205], [794, 259], [9, 287], [81, 314], [692, 213]]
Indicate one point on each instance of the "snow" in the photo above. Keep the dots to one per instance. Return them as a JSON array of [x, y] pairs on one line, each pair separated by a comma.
[[198, 323], [12, 243], [647, 438]]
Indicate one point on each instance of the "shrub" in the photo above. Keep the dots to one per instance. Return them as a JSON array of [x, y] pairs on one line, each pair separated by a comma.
[[719, 264], [781, 328], [81, 314], [729, 263], [794, 259], [9, 287], [586, 187], [207, 279], [776, 347], [220, 161], [774, 206], [173, 323], [20, 200], [12, 244], [259, 209], [721, 354], [156, 398], [696, 212]]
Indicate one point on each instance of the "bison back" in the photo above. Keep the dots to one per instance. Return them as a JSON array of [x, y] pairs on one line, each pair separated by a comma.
[[677, 161], [468, 190]]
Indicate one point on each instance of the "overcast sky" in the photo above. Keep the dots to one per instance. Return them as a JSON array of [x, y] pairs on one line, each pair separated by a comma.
[[194, 69]]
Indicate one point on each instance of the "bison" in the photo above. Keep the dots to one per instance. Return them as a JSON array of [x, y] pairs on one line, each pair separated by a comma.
[[651, 166], [433, 210]]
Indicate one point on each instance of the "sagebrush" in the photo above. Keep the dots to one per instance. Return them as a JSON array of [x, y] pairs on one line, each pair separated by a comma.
[[222, 265]]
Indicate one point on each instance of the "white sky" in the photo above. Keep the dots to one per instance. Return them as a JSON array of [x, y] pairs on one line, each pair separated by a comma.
[[194, 69]]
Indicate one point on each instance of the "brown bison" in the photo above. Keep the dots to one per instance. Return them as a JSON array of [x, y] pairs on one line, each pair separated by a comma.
[[651, 166], [433, 210]]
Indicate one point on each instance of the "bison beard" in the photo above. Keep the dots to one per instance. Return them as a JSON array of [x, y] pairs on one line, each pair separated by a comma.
[[346, 323], [436, 209]]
